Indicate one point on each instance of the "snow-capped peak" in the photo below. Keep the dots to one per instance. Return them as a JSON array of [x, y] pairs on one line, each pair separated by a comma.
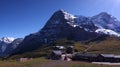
[[67, 15], [102, 22], [103, 13], [7, 39]]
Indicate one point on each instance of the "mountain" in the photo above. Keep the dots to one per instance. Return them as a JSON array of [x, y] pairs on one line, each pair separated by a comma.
[[103, 23], [7, 45], [4, 43], [72, 27]]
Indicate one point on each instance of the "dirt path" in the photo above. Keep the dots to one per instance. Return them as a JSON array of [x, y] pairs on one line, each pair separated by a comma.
[[59, 64]]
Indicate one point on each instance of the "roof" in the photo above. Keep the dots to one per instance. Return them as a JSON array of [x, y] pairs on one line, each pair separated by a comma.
[[117, 56], [60, 47], [108, 55], [57, 52], [71, 46], [87, 55], [96, 55]]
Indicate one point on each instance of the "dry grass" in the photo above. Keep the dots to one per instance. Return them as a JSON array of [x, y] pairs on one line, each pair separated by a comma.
[[109, 46], [30, 63], [41, 62]]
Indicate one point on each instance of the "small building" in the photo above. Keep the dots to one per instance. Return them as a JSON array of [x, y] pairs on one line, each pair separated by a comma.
[[65, 57], [59, 47], [24, 59], [70, 50], [106, 57], [59, 55], [117, 58], [85, 57], [96, 57], [56, 55], [109, 58]]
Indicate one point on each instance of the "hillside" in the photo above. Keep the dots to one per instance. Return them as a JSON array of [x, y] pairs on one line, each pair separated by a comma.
[[110, 45]]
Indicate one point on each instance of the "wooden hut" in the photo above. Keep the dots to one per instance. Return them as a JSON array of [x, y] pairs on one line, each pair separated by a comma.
[[56, 55]]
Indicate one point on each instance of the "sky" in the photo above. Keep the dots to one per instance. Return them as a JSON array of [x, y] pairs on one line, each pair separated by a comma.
[[19, 18]]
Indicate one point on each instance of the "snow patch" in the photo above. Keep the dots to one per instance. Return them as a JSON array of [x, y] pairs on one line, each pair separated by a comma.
[[68, 16], [72, 24], [7, 39], [86, 29], [108, 32]]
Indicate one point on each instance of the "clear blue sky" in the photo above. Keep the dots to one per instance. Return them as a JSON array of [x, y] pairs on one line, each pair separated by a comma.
[[19, 18]]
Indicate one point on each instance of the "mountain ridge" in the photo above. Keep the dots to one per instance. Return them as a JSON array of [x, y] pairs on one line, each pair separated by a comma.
[[7, 45], [65, 25]]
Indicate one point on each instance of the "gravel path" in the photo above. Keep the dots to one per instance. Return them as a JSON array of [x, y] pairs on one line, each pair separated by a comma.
[[106, 63]]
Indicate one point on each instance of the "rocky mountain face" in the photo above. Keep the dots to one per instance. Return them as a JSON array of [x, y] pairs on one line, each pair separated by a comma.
[[73, 27]]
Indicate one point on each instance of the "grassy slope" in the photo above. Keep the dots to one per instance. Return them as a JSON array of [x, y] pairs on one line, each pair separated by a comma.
[[110, 45], [40, 52], [31, 63]]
